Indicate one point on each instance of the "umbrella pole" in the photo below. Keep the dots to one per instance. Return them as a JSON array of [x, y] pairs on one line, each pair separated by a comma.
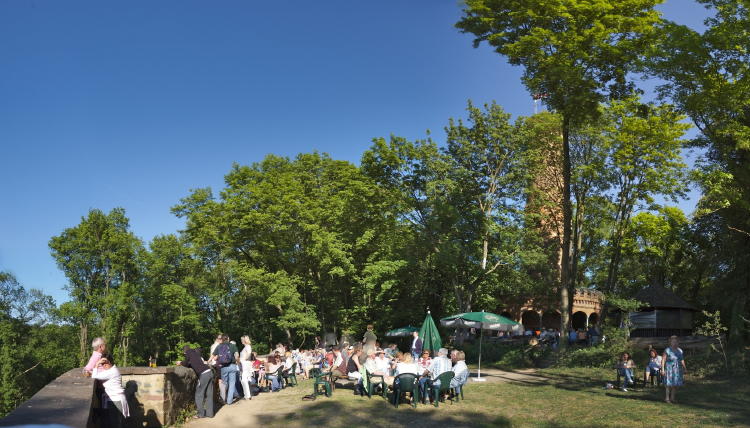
[[479, 369]]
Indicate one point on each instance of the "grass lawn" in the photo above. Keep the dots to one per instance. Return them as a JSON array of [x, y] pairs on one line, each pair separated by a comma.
[[568, 397]]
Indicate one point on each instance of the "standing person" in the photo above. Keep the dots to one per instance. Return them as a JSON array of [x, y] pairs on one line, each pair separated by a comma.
[[113, 400], [370, 336], [227, 358], [212, 362], [416, 346], [204, 390], [99, 348], [673, 367], [246, 364]]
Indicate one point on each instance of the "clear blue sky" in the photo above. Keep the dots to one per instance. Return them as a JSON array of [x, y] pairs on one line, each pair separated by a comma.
[[133, 103]]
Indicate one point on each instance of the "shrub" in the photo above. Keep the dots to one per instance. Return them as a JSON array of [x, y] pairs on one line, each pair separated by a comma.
[[604, 355], [509, 356]]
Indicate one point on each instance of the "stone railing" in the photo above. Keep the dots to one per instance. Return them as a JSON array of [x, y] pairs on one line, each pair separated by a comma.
[[155, 396], [66, 400]]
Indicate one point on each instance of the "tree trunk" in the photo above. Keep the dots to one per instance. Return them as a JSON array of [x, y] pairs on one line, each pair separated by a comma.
[[286, 329], [83, 337], [567, 217]]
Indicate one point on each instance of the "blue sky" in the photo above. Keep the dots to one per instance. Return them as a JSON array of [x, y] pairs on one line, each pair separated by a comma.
[[133, 104]]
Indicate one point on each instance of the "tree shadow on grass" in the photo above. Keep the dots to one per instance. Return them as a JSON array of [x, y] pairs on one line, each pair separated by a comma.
[[381, 414], [729, 398]]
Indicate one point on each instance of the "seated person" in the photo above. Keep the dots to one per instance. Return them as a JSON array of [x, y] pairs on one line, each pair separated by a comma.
[[405, 364], [625, 369], [353, 368], [113, 399], [654, 364], [272, 365], [382, 364], [425, 361], [391, 350], [439, 365], [460, 370]]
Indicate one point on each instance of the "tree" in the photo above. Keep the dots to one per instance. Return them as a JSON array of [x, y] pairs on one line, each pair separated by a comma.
[[577, 54], [291, 238], [708, 77], [643, 143], [102, 260], [32, 351], [464, 203]]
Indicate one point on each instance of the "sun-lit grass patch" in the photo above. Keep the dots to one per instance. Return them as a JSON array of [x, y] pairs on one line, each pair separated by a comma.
[[567, 397]]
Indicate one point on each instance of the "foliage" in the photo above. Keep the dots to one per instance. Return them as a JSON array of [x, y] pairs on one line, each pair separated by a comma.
[[712, 327], [32, 351], [604, 355], [576, 55], [707, 76], [505, 356]]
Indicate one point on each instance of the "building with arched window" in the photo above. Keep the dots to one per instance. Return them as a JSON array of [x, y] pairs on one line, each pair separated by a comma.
[[535, 314]]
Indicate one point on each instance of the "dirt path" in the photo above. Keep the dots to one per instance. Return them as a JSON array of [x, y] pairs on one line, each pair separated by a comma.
[[526, 376]]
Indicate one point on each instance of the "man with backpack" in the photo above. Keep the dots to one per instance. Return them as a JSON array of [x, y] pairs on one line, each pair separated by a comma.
[[227, 357]]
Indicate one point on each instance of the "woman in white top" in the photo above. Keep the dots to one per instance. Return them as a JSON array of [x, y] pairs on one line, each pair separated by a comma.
[[405, 365], [114, 393], [246, 377]]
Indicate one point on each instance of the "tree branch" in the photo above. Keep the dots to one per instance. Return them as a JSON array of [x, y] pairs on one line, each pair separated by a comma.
[[738, 230]]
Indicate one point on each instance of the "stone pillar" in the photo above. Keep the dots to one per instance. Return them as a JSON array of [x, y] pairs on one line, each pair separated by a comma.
[[157, 394]]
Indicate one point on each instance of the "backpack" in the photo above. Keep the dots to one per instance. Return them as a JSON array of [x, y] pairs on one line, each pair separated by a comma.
[[224, 355]]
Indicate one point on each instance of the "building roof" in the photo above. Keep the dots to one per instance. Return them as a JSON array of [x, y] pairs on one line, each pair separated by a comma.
[[659, 297]]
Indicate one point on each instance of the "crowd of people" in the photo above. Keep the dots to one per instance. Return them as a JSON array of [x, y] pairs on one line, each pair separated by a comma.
[[242, 374]]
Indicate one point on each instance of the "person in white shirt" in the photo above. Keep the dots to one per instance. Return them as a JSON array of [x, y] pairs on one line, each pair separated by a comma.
[[439, 365], [460, 369], [381, 363], [113, 399], [654, 364], [406, 365], [248, 373]]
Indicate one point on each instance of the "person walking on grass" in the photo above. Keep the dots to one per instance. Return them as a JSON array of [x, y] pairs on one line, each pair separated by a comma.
[[673, 367]]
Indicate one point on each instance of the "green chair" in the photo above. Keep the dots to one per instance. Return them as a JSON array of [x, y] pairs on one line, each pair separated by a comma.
[[406, 382], [279, 375], [445, 386], [290, 377], [458, 391], [319, 379], [373, 381]]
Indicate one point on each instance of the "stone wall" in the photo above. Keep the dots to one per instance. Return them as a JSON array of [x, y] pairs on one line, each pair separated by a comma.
[[157, 394], [66, 400]]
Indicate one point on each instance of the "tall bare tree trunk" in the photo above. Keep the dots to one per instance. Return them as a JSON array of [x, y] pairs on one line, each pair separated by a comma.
[[84, 338], [567, 221]]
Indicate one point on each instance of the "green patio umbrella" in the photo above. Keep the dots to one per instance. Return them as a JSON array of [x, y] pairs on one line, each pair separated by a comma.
[[402, 332], [483, 321], [429, 334]]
